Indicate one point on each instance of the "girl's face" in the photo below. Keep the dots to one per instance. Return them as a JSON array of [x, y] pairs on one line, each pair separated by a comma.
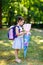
[[21, 22]]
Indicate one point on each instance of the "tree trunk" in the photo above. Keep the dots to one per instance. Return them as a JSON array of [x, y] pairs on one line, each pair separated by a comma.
[[1, 14], [28, 16]]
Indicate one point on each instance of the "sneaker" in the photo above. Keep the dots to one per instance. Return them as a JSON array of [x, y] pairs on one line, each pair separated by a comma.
[[18, 60]]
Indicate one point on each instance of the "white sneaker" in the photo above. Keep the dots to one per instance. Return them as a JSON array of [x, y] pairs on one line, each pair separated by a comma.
[[18, 60]]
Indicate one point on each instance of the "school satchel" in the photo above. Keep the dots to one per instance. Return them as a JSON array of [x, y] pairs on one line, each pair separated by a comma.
[[12, 33]]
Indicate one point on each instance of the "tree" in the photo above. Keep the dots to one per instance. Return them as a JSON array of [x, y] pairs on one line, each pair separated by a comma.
[[0, 14], [10, 16], [29, 9]]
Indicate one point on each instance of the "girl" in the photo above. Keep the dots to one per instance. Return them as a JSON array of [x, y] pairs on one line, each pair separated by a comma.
[[18, 41]]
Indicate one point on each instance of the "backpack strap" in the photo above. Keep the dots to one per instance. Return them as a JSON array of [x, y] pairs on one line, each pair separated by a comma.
[[18, 28], [15, 31]]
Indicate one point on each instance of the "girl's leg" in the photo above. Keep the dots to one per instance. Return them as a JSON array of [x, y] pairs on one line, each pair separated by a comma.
[[16, 56], [16, 53]]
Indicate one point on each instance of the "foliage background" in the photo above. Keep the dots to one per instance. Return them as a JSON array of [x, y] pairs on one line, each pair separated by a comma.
[[31, 10]]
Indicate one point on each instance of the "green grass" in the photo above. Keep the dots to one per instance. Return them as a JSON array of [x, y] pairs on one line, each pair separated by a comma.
[[34, 53]]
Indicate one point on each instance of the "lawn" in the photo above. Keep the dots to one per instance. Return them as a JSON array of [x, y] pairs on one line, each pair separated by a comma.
[[34, 53]]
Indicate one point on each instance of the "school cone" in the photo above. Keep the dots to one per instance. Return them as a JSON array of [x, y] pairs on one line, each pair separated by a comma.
[[26, 43]]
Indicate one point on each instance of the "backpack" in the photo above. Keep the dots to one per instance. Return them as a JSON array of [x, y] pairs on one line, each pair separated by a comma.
[[12, 33]]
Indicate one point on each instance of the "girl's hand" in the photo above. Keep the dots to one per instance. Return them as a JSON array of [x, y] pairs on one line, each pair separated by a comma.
[[25, 32], [29, 33]]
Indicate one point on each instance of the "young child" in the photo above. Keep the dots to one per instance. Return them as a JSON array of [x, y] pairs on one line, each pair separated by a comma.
[[18, 41]]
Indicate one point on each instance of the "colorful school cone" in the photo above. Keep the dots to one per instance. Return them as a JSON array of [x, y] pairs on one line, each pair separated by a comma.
[[26, 43]]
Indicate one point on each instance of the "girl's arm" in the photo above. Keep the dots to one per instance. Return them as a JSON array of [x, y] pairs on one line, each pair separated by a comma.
[[21, 33]]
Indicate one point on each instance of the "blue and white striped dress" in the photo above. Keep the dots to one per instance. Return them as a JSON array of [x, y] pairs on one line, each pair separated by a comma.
[[18, 42]]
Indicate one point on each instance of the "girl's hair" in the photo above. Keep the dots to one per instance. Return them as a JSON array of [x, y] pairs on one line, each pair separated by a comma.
[[20, 18]]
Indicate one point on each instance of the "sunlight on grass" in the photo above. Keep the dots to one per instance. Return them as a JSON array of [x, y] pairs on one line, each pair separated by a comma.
[[3, 62], [35, 63], [39, 30], [5, 53], [6, 42], [37, 39], [40, 40], [1, 41], [41, 47]]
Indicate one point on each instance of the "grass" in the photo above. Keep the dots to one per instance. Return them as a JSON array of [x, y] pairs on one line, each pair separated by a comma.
[[34, 53]]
